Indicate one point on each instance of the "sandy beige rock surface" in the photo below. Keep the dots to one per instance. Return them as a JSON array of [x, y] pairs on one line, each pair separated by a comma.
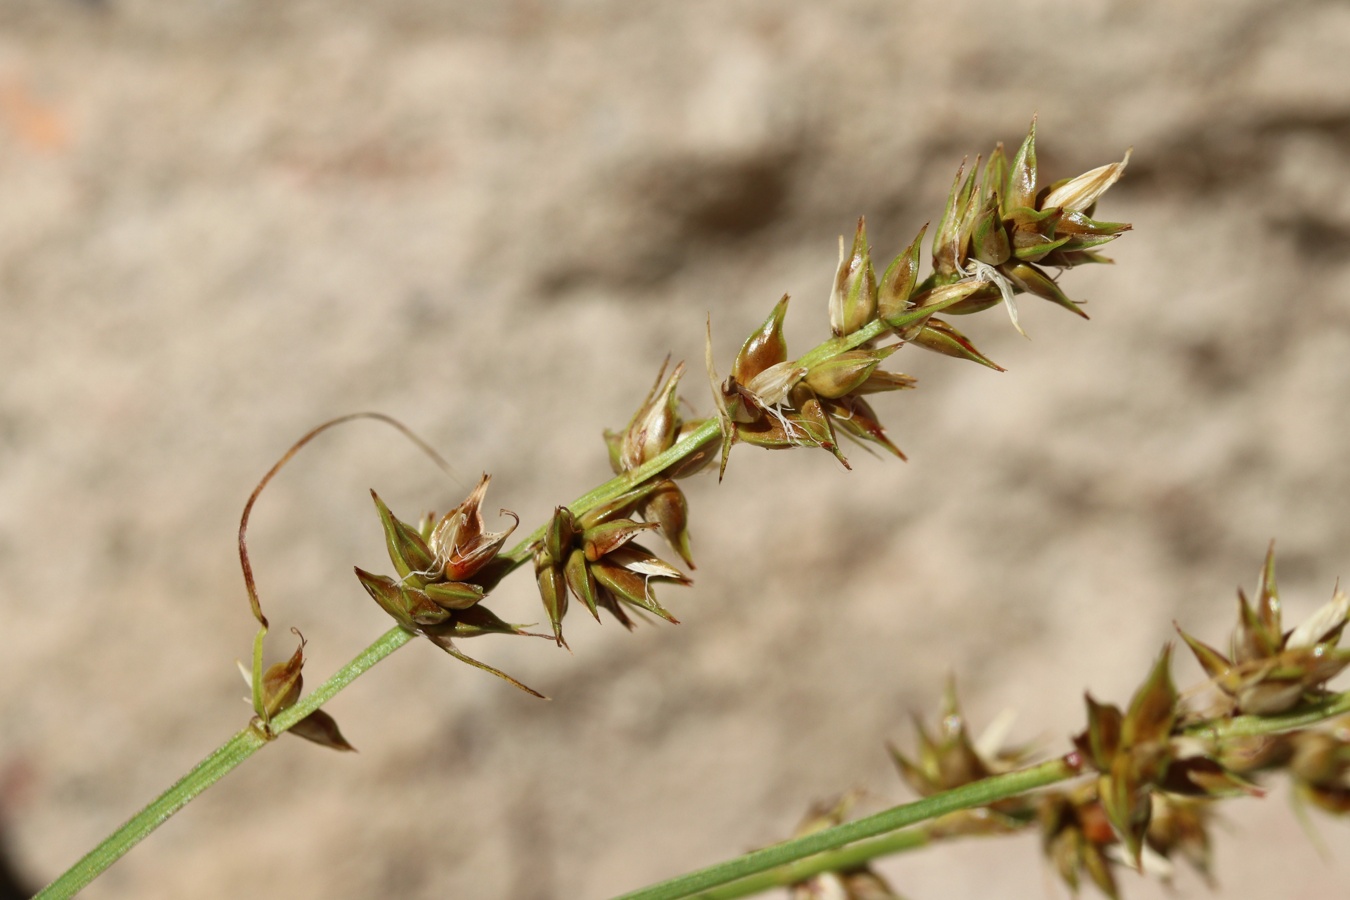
[[225, 222]]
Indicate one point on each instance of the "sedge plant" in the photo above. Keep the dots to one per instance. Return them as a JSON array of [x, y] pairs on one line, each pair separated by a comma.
[[1135, 789]]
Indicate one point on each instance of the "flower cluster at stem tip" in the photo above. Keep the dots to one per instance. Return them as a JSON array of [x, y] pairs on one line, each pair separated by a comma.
[[999, 232], [991, 243]]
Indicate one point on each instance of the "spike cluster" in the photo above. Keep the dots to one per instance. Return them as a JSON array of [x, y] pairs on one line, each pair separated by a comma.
[[445, 568], [1078, 839], [947, 757], [1319, 763], [654, 429], [1001, 229], [776, 402], [593, 558], [1149, 798], [1270, 670], [281, 687], [1142, 752], [1158, 767], [1158, 774], [950, 758], [1155, 768]]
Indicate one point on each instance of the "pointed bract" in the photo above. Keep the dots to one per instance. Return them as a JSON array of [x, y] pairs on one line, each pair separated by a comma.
[[1032, 280], [1081, 192], [320, 728], [282, 683], [1152, 710], [1212, 661], [453, 595], [855, 417], [580, 582], [553, 591], [942, 337], [656, 424], [846, 372], [725, 425], [989, 240], [407, 550], [1021, 185], [899, 279], [995, 176], [1324, 626], [947, 237], [604, 539], [853, 297], [385, 591], [764, 348], [668, 508], [448, 646], [460, 543]]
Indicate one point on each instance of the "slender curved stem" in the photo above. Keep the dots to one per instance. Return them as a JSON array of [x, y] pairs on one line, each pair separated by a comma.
[[207, 772], [212, 769]]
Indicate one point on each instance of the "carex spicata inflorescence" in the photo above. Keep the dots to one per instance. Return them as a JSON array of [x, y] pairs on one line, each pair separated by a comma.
[[997, 237]]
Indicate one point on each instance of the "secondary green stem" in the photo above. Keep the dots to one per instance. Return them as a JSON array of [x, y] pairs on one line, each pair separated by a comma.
[[979, 793], [844, 846], [832, 861]]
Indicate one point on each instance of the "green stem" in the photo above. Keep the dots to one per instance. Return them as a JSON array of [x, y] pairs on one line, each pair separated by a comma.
[[384, 645], [212, 769], [1251, 726], [979, 793], [207, 772], [833, 861], [619, 485]]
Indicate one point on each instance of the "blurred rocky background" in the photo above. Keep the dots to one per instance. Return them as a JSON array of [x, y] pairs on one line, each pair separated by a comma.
[[224, 221]]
